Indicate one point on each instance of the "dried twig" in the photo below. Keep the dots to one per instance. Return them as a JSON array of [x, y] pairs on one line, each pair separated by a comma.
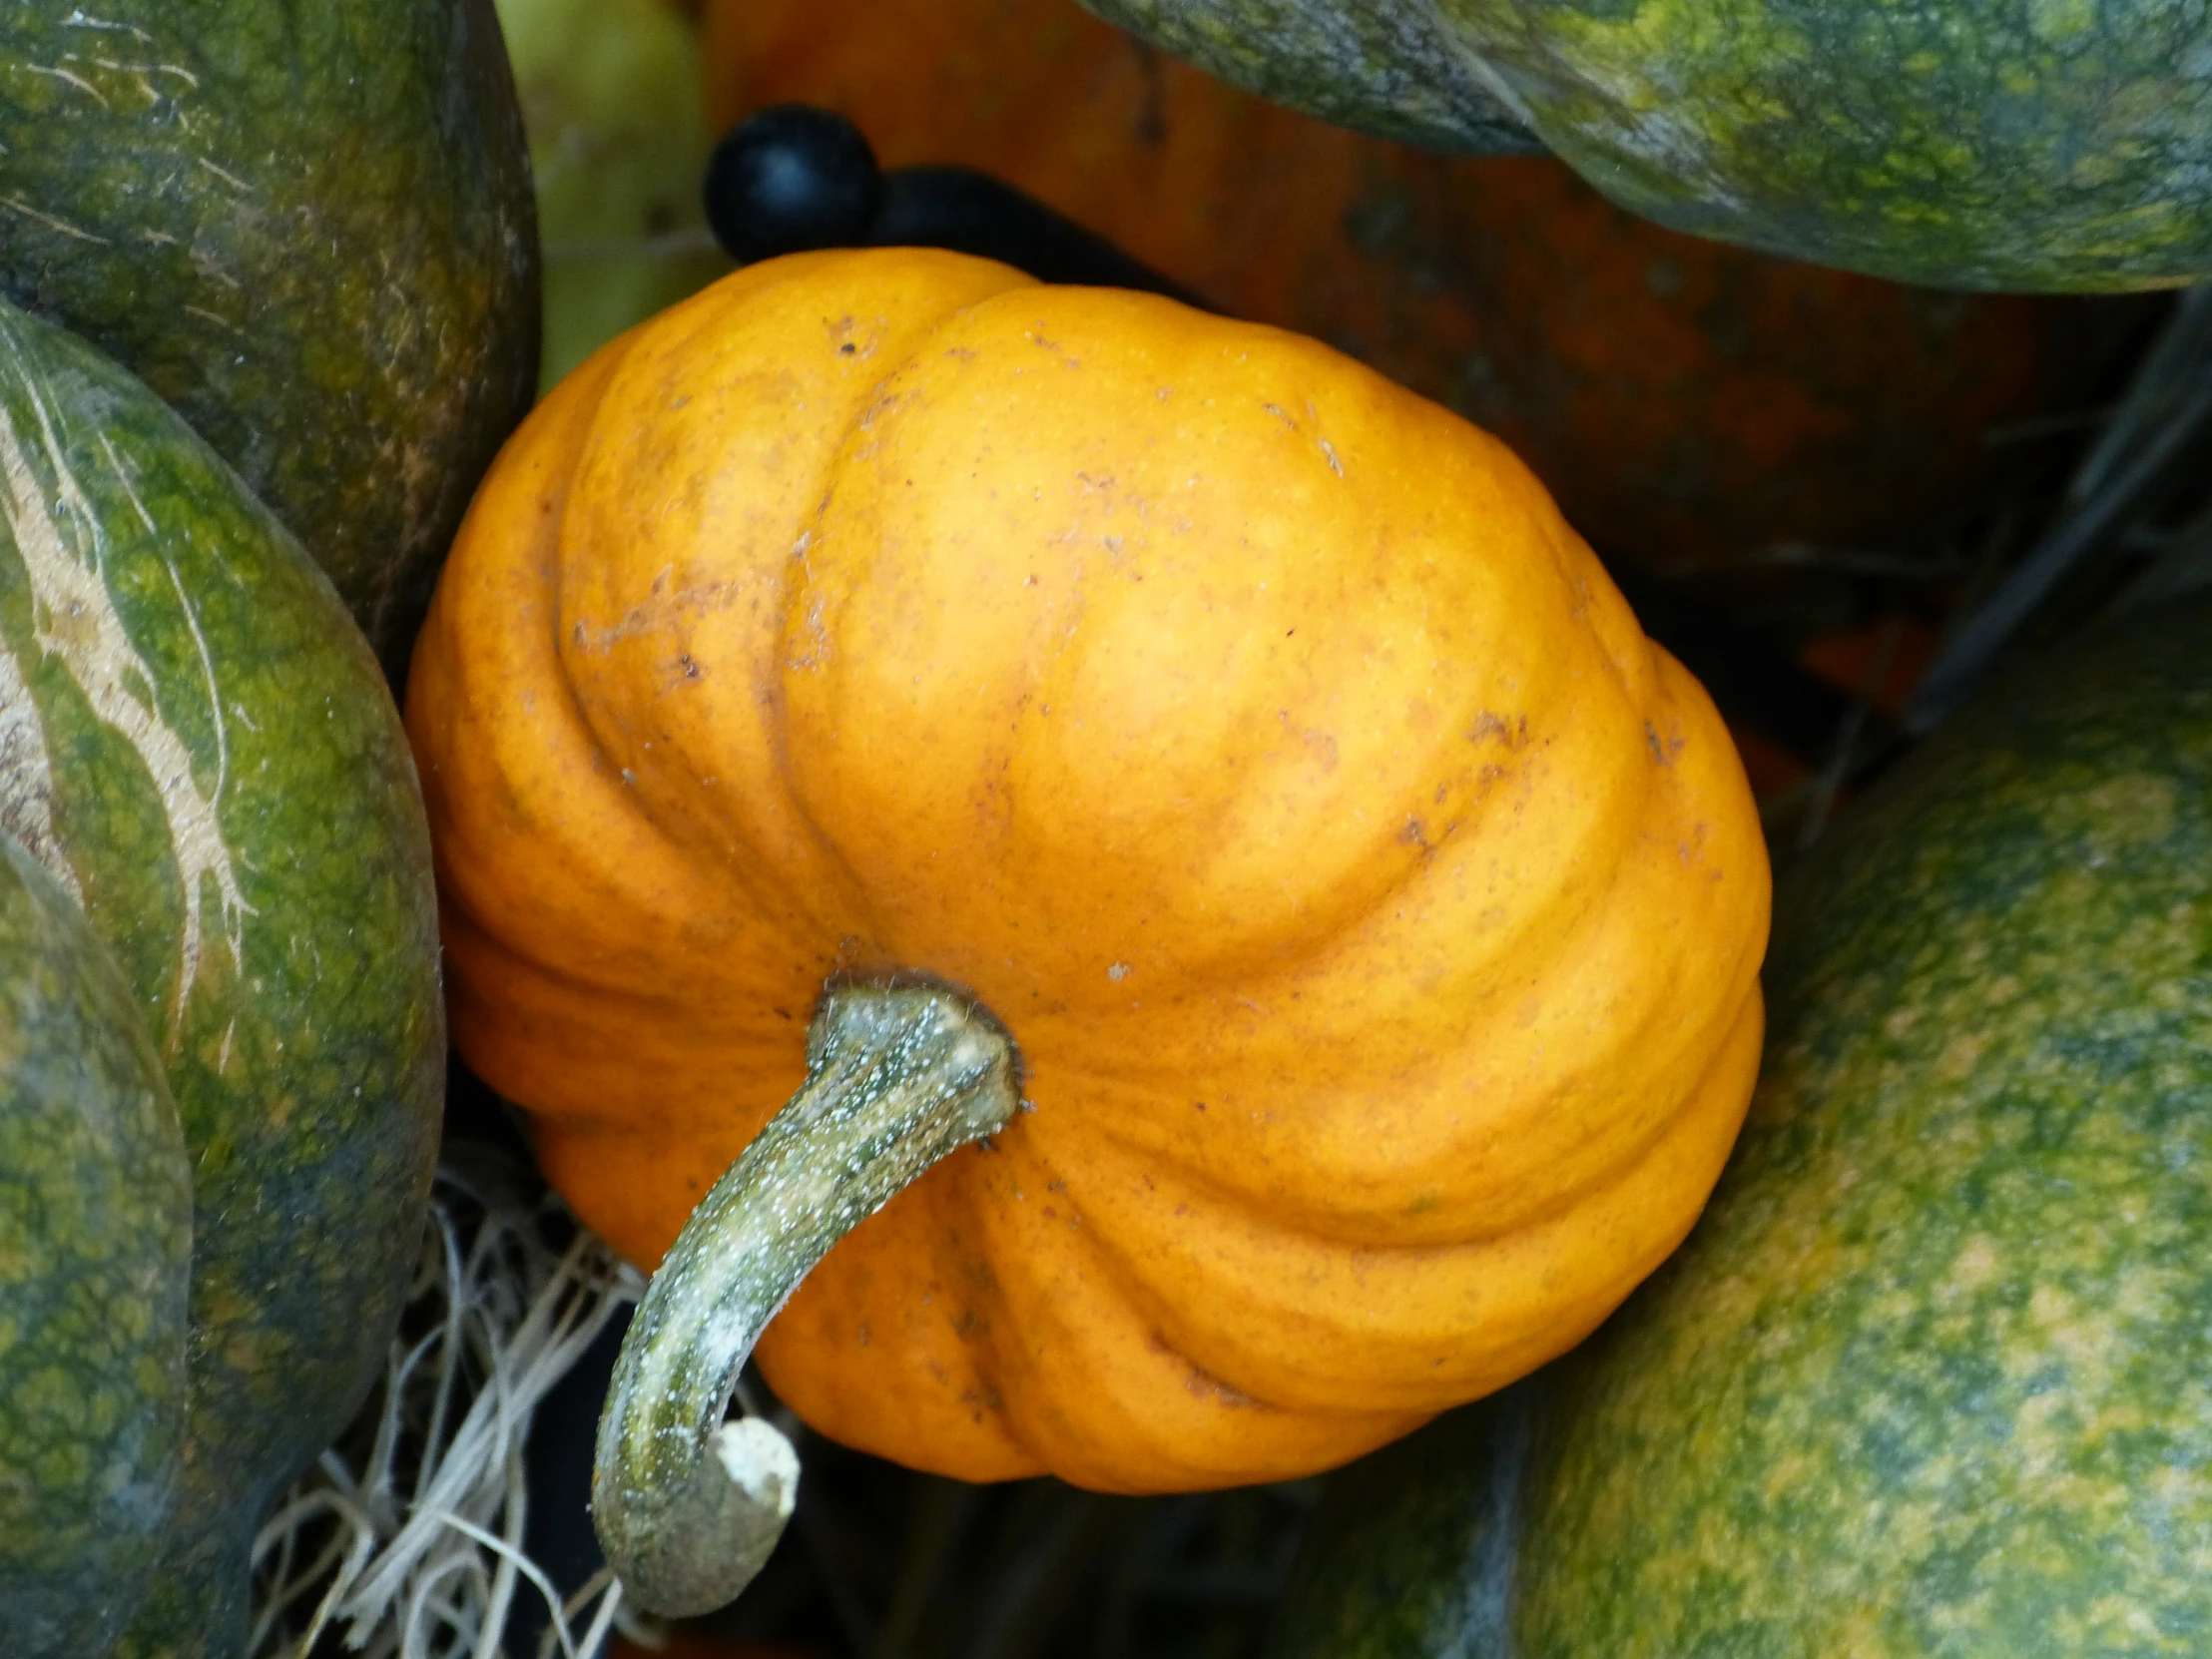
[[2166, 411]]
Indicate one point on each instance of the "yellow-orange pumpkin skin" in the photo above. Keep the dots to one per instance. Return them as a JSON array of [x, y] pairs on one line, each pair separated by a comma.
[[1377, 911]]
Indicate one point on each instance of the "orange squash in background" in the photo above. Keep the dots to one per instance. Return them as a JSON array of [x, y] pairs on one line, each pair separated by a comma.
[[1687, 403], [1376, 910]]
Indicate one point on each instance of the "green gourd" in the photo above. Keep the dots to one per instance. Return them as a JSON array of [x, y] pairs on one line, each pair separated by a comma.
[[95, 1249], [306, 226], [1933, 1377], [201, 745], [2062, 145], [611, 98]]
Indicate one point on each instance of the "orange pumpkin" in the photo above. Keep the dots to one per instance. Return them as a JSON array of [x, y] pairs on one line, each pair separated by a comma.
[[1377, 913], [1687, 403]]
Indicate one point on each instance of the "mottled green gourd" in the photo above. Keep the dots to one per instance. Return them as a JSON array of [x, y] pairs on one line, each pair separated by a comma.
[[1933, 1378], [306, 226], [2062, 145], [95, 1250], [199, 739]]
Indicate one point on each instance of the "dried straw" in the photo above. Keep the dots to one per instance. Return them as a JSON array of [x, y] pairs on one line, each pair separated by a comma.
[[405, 1538]]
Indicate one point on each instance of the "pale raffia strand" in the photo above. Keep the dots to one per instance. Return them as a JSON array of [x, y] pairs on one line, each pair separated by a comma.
[[408, 1539]]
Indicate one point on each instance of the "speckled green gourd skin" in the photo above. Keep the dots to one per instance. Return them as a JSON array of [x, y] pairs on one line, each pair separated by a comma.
[[95, 1257], [203, 701], [2051, 145], [1933, 1378], [308, 224], [1410, 1552], [1387, 69]]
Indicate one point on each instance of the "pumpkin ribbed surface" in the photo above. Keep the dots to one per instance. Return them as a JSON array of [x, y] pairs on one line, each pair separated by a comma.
[[1376, 911]]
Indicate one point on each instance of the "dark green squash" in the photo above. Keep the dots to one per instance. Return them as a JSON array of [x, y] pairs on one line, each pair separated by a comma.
[[95, 1249], [2059, 146], [201, 741], [1933, 1377], [309, 228], [1411, 1554]]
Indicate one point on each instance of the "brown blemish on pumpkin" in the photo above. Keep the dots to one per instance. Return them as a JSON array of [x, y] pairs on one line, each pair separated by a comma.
[[658, 612], [1204, 1384], [986, 1396], [1489, 726]]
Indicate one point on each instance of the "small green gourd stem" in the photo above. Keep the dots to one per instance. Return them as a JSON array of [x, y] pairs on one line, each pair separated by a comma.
[[899, 1073]]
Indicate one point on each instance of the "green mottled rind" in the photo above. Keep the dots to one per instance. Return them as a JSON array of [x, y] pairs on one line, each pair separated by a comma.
[[1391, 69], [200, 695], [1410, 1554], [306, 226], [95, 1257], [1932, 1379], [2050, 145]]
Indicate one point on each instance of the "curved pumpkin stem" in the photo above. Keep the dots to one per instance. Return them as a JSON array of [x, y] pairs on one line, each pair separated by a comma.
[[688, 1507]]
